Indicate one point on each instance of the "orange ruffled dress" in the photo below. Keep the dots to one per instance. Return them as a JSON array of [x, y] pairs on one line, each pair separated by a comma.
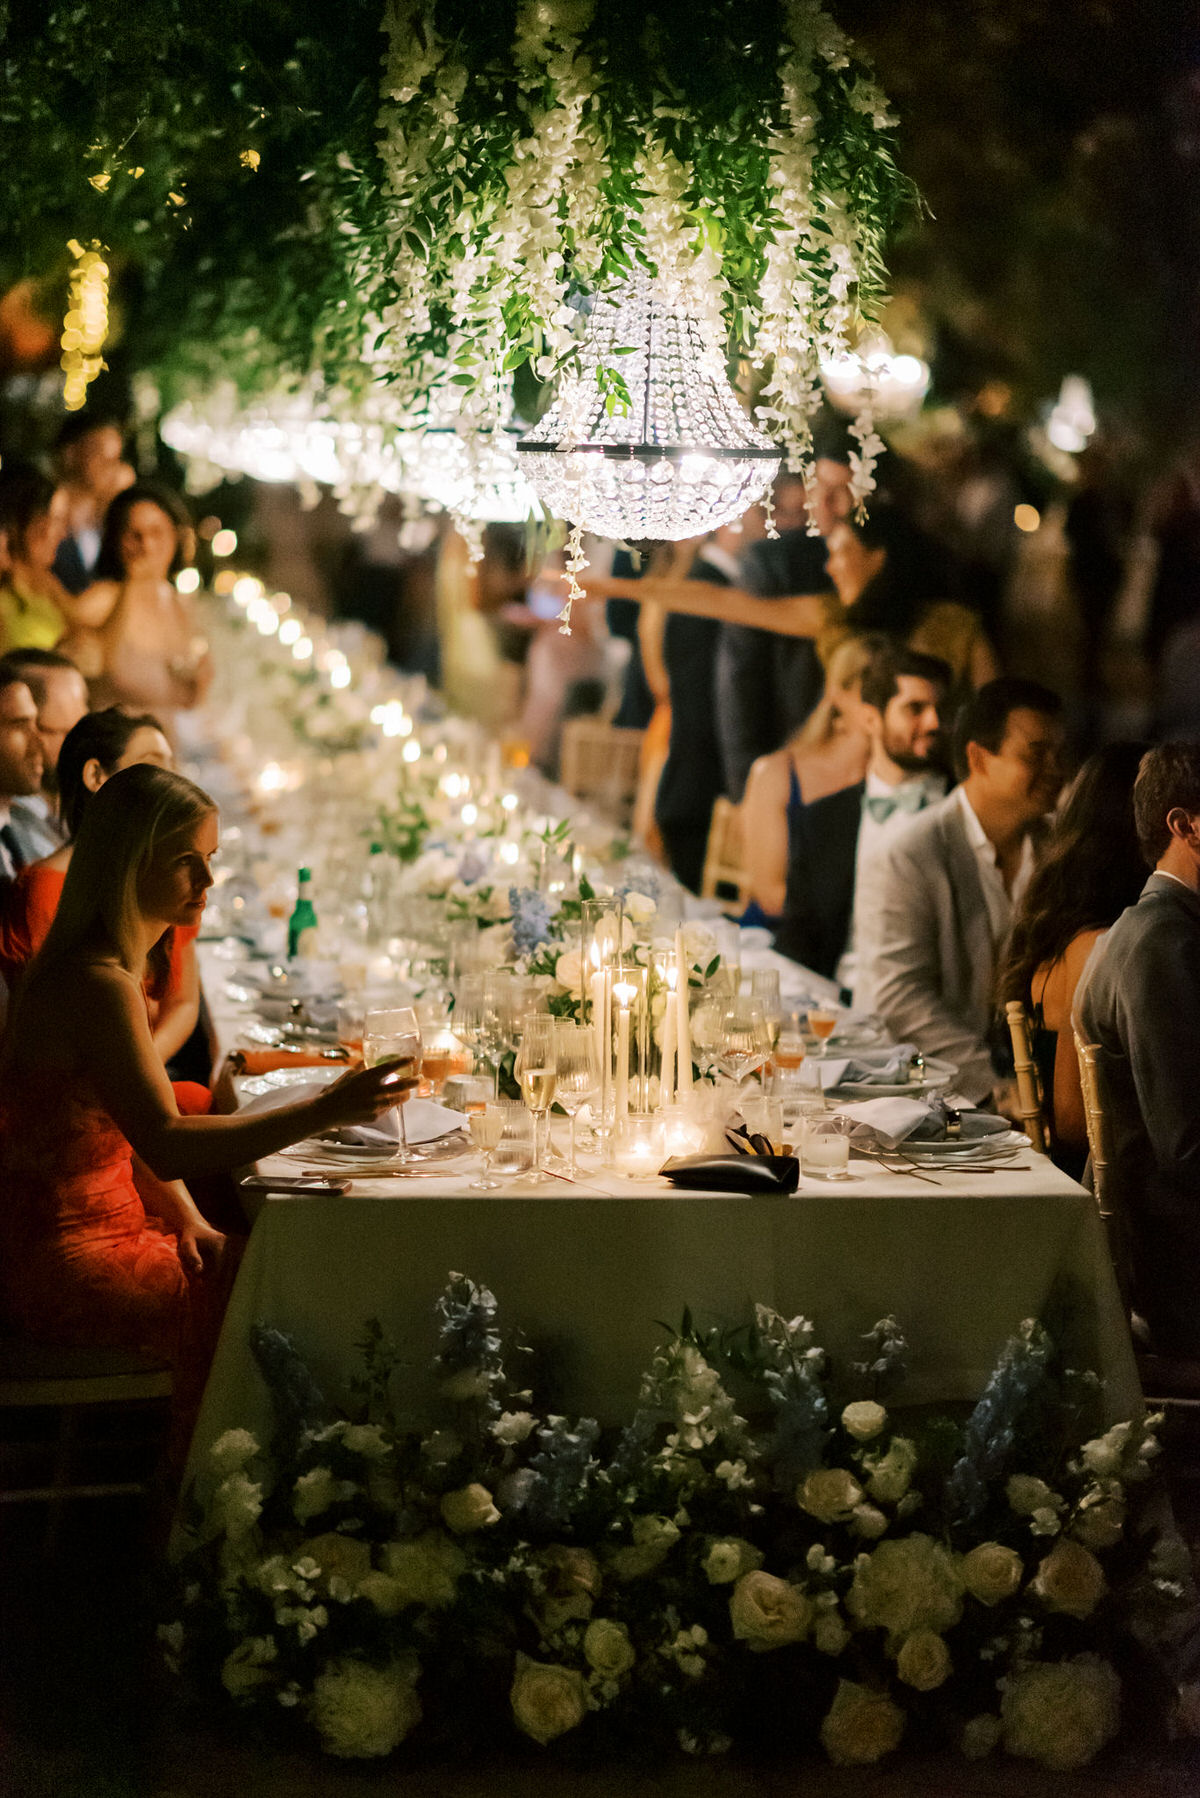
[[26, 915], [81, 1262]]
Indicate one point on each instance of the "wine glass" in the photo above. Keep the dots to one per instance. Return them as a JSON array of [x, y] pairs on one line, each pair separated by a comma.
[[480, 1018], [764, 985], [537, 1071], [743, 1039], [486, 1124], [395, 1036], [578, 1072], [822, 1021]]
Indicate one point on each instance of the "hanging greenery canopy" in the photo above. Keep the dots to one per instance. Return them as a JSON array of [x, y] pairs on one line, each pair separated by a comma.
[[433, 238]]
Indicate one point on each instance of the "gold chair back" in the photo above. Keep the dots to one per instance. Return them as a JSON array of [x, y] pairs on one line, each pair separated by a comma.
[[1029, 1082], [724, 875], [600, 762], [1098, 1117]]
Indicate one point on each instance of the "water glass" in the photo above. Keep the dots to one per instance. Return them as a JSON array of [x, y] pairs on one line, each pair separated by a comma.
[[394, 1035], [762, 1115], [513, 1154]]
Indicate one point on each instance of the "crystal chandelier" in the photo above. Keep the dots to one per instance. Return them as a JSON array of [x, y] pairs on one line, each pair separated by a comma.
[[680, 460]]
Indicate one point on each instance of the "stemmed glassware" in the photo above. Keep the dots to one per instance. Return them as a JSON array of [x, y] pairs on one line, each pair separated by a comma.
[[482, 1017], [486, 1124], [394, 1035], [537, 1071], [822, 1021], [764, 985], [577, 1072], [743, 1039]]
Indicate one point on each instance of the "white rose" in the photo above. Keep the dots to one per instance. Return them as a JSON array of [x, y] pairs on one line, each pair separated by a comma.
[[512, 1427], [830, 1494], [230, 1452], [991, 1572], [889, 1476], [908, 1584], [861, 1727], [639, 907], [868, 1522], [547, 1700], [362, 1711], [426, 1568], [1103, 1455], [1027, 1495], [863, 1419], [768, 1612], [1070, 1579], [249, 1667], [980, 1735], [699, 945], [730, 1557], [1061, 1713], [607, 1648], [924, 1661], [316, 1491], [468, 1509], [568, 972]]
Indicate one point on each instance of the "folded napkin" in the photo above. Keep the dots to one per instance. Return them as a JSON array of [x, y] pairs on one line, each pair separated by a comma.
[[265, 1061], [871, 1067], [424, 1121], [893, 1121]]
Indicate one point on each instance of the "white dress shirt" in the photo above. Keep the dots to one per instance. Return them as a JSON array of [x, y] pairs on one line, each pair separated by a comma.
[[1000, 903], [874, 834]]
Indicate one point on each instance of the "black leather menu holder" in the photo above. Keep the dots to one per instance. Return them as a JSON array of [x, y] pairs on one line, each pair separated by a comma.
[[734, 1173]]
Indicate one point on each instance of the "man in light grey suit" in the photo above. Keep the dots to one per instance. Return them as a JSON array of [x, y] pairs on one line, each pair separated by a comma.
[[951, 879], [1139, 999]]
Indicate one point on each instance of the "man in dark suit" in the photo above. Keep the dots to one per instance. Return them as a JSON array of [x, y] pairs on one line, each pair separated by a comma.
[[837, 840], [1139, 999], [767, 684]]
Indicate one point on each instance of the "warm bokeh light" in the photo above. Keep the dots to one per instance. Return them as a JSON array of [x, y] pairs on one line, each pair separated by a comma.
[[1026, 518], [224, 542]]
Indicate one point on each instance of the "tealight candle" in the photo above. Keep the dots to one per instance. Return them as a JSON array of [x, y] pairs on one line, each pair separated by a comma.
[[638, 1151]]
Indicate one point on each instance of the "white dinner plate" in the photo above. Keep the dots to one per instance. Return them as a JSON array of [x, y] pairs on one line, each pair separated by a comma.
[[316, 1149], [1005, 1143]]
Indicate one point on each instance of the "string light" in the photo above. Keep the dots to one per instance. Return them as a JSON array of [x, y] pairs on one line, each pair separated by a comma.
[[85, 326]]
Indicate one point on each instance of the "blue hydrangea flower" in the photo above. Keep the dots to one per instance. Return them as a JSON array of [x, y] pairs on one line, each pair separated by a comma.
[[531, 919]]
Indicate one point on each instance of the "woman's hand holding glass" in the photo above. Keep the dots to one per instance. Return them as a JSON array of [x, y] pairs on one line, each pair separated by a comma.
[[392, 1039]]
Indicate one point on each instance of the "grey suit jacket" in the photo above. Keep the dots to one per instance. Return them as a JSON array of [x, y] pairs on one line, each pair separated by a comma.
[[1139, 999], [935, 966]]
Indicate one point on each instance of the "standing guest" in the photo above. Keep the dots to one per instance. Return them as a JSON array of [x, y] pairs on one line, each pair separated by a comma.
[[840, 838], [143, 649], [767, 685], [97, 1247], [1089, 871], [35, 608], [888, 576], [1139, 1000], [692, 781], [21, 765], [91, 471], [950, 882], [828, 754], [60, 693]]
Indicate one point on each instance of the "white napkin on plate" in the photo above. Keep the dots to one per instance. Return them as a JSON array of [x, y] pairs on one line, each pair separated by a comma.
[[891, 1120], [424, 1121]]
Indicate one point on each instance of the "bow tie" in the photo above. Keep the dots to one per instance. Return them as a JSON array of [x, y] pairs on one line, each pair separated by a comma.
[[905, 799]]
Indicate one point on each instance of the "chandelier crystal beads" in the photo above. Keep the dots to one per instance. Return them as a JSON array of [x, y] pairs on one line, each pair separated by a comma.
[[671, 456]]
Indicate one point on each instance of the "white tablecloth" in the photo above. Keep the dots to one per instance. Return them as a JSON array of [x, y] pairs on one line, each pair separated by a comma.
[[587, 1280]]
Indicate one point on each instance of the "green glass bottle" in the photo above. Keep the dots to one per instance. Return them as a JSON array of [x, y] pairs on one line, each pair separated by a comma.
[[302, 925]]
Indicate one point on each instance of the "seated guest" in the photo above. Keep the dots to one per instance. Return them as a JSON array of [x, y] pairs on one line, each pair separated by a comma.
[[21, 763], [142, 649], [60, 693], [949, 883], [837, 840], [95, 1247], [1139, 999], [828, 754], [1089, 871], [99, 745], [92, 471], [35, 608]]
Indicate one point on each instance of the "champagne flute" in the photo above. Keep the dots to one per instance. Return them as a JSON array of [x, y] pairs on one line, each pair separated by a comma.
[[537, 1072], [395, 1036], [764, 985], [578, 1072], [486, 1124]]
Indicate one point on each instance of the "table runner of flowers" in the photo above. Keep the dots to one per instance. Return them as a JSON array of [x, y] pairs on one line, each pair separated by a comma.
[[749, 1560]]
